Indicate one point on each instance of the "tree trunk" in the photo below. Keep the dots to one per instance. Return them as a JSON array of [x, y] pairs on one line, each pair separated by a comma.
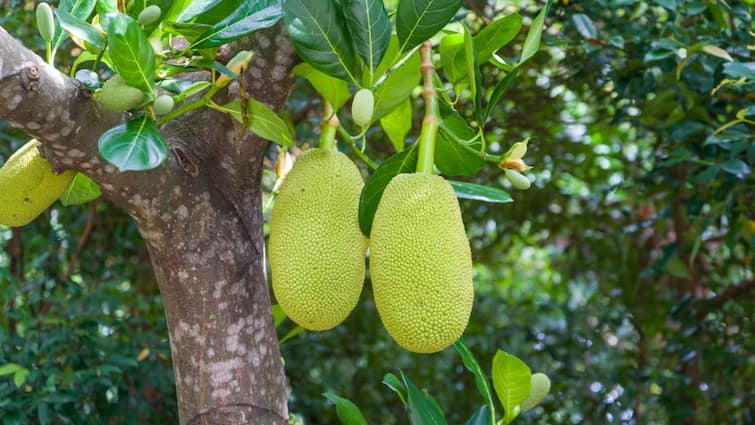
[[199, 214]]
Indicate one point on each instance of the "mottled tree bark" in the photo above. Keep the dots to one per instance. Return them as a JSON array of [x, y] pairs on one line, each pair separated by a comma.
[[200, 216]]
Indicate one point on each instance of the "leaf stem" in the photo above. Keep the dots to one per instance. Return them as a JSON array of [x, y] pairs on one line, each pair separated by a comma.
[[349, 140], [430, 124], [190, 106], [328, 127]]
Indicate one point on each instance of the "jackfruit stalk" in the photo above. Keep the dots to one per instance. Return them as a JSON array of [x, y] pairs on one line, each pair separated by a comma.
[[28, 186], [316, 247], [420, 263]]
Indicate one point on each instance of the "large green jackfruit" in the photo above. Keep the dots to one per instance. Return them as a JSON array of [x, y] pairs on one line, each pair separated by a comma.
[[316, 247], [420, 263], [28, 186]]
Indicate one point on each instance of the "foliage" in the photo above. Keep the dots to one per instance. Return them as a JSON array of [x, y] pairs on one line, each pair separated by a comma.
[[620, 274]]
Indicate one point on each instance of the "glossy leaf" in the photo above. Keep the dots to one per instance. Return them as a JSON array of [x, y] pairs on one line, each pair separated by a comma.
[[478, 192], [134, 145], [456, 145], [499, 91], [397, 88], [81, 30], [402, 162], [81, 190], [196, 8], [397, 125], [130, 52], [512, 382], [496, 35], [80, 9], [319, 35], [736, 167], [740, 69], [532, 42], [473, 74], [418, 20], [348, 412], [480, 379], [481, 417], [423, 410], [541, 386], [391, 381], [370, 29], [584, 25], [452, 57], [250, 17], [262, 121], [335, 91]]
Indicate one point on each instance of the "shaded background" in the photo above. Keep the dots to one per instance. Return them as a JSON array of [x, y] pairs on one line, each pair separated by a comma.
[[625, 273]]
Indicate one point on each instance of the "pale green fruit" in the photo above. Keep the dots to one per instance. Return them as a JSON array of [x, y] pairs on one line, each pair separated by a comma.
[[362, 107], [420, 263], [118, 96], [163, 104], [517, 179], [28, 186], [149, 15], [316, 247], [45, 21]]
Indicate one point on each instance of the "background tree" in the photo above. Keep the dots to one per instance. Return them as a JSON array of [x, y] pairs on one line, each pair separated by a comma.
[[626, 275]]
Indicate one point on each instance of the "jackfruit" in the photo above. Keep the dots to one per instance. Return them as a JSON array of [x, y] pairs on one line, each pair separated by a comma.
[[420, 263], [316, 247], [28, 186], [117, 96]]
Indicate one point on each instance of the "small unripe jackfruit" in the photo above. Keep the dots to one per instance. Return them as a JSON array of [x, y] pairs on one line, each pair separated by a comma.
[[316, 247], [420, 263], [363, 107], [28, 186], [117, 96]]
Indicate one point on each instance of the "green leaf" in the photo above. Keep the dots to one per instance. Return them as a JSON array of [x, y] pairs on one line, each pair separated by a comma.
[[81, 30], [391, 381], [532, 42], [370, 29], [496, 35], [457, 145], [584, 25], [80, 9], [480, 380], [668, 4], [736, 167], [130, 52], [319, 35], [262, 121], [397, 125], [335, 91], [134, 145], [423, 410], [292, 333], [452, 57], [500, 90], [20, 377], [81, 190], [348, 412], [250, 17], [740, 69], [512, 382], [481, 417], [278, 315], [541, 386], [397, 88], [402, 162], [717, 52], [477, 192], [196, 8], [473, 74], [418, 20], [9, 369]]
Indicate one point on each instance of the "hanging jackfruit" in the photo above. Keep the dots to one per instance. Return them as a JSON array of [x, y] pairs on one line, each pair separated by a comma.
[[316, 247], [420, 263], [28, 186]]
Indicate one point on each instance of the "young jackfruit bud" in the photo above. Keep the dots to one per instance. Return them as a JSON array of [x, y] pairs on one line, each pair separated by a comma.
[[363, 107], [517, 179], [45, 22], [163, 104], [149, 15]]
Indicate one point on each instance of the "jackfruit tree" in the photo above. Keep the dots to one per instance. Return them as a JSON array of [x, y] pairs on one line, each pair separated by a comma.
[[169, 107]]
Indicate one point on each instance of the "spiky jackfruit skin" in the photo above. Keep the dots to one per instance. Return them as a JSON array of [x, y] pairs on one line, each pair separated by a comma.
[[28, 186], [316, 247], [420, 263]]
